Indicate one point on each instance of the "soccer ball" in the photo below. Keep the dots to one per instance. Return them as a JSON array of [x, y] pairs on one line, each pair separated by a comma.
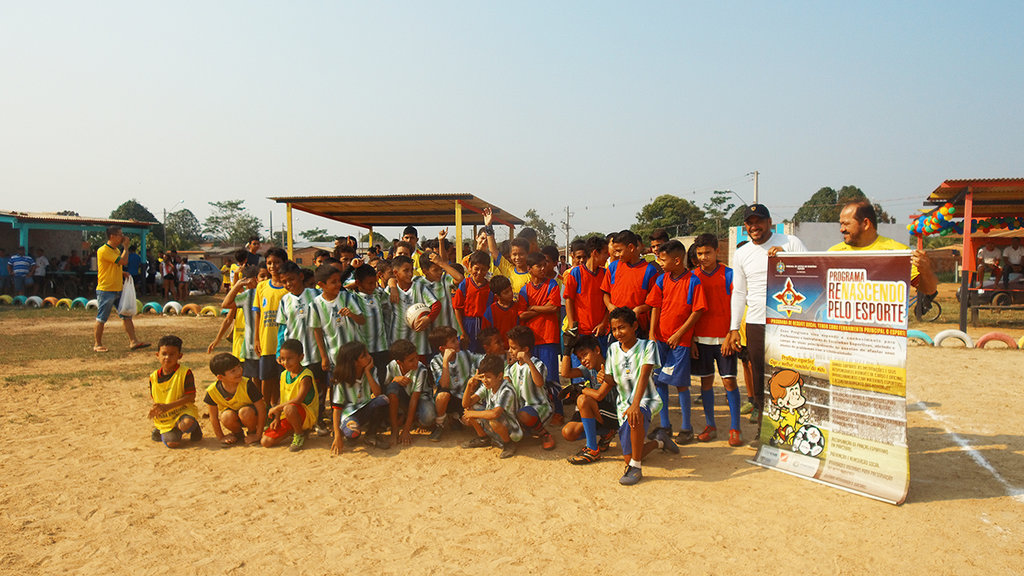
[[809, 441], [414, 312]]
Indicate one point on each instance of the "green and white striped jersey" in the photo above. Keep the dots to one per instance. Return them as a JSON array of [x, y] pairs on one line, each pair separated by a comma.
[[624, 367], [507, 399], [442, 290], [338, 329], [461, 369], [375, 333], [529, 393], [244, 302], [419, 291], [293, 316], [420, 379], [351, 397]]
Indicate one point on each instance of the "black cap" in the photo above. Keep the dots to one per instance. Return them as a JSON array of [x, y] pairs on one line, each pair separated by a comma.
[[759, 210]]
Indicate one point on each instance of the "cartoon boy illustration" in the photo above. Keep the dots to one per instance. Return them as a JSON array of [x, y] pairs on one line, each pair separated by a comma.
[[786, 388]]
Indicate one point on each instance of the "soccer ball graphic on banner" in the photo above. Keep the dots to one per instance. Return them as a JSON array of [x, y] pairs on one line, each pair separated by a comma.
[[809, 440], [414, 312]]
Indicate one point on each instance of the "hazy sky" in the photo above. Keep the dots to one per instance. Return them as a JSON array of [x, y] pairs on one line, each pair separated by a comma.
[[598, 106]]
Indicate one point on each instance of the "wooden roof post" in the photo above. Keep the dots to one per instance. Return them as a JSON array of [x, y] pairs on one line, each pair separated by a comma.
[[458, 231], [967, 258]]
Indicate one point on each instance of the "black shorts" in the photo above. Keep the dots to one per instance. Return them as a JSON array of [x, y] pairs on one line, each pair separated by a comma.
[[710, 355], [269, 368], [609, 416], [251, 368]]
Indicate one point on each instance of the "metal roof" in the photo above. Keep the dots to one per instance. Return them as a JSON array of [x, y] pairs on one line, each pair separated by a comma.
[[54, 218], [992, 197], [399, 210]]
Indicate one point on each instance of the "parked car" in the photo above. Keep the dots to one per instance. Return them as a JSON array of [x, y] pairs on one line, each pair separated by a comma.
[[206, 277]]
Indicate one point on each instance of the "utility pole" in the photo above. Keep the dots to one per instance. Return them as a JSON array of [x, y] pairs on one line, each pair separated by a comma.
[[565, 225], [755, 186]]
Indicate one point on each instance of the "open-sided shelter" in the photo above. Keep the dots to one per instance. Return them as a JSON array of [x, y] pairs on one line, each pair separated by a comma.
[[24, 222], [986, 205], [399, 210]]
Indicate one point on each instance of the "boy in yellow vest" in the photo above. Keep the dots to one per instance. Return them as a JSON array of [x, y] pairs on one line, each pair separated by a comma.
[[173, 389], [233, 403]]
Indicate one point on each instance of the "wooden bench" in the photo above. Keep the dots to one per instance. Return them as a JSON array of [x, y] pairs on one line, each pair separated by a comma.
[[1005, 308]]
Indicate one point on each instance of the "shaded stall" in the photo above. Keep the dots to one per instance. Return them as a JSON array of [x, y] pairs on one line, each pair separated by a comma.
[[24, 222], [399, 210], [984, 207]]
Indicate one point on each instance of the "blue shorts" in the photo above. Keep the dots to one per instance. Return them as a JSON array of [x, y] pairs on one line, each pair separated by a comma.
[[624, 435], [269, 368], [106, 302], [426, 413], [251, 368], [675, 366], [473, 325], [710, 355], [548, 356], [175, 434], [374, 408]]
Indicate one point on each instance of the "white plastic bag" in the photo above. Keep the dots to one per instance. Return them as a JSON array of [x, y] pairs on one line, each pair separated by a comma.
[[127, 306]]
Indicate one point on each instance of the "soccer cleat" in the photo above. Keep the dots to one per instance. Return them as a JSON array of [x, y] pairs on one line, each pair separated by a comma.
[[735, 439], [747, 408], [665, 437], [435, 435], [477, 442], [297, 442], [547, 441], [753, 416], [508, 451], [154, 435], [631, 476], [322, 429], [557, 420], [684, 437], [709, 434], [606, 441], [585, 456], [654, 432]]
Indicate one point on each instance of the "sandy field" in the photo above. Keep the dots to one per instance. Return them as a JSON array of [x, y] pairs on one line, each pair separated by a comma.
[[85, 491]]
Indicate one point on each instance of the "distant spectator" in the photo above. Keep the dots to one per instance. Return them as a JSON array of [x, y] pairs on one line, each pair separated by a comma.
[[988, 261], [39, 274], [109, 281], [1013, 261], [74, 262], [21, 268], [5, 274], [253, 246], [134, 266]]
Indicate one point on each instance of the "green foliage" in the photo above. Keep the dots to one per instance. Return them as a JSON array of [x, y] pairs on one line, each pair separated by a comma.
[[826, 204], [545, 230], [716, 209], [736, 218], [378, 238], [183, 230], [316, 235], [231, 222], [131, 210], [679, 217]]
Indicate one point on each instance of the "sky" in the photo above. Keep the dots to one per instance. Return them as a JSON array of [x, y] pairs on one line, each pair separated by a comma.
[[595, 106]]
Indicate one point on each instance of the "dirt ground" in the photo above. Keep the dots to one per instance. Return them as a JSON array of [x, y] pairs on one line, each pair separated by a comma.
[[85, 491]]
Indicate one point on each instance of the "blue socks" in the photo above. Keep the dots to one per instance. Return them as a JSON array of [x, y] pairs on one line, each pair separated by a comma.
[[663, 394], [590, 429], [707, 399], [684, 406], [733, 398]]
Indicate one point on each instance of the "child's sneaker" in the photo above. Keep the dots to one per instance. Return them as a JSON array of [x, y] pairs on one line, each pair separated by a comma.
[[557, 420], [753, 416], [197, 433], [322, 429], [435, 435], [631, 476], [547, 441], [684, 437], [747, 407], [653, 434], [154, 435], [735, 439], [585, 456], [478, 442], [508, 450], [709, 434], [606, 441], [664, 437], [297, 442]]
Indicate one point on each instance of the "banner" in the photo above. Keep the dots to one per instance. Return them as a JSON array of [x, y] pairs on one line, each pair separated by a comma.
[[835, 370]]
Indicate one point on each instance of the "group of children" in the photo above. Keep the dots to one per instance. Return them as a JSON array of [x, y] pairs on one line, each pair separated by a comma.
[[358, 348]]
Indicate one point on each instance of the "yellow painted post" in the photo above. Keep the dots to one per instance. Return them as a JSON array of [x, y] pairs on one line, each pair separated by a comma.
[[458, 231], [369, 240], [288, 210]]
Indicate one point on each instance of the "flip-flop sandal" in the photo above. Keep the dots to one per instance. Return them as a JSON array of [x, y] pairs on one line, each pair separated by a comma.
[[99, 349], [140, 346]]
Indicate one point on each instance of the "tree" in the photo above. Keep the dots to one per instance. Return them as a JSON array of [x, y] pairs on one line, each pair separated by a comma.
[[678, 216], [715, 210], [378, 238], [826, 204], [736, 219], [316, 235], [132, 210], [231, 223], [545, 230], [183, 230]]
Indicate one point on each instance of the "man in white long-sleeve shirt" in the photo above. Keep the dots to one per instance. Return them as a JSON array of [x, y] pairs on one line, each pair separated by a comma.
[[749, 290]]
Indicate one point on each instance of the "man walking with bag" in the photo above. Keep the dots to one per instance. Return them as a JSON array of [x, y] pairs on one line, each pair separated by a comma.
[[110, 258]]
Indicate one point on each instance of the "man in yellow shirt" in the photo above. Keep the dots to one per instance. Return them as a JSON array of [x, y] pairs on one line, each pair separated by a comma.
[[859, 226], [109, 281]]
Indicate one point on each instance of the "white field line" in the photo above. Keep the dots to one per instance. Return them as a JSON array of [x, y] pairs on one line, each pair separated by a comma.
[[1011, 490]]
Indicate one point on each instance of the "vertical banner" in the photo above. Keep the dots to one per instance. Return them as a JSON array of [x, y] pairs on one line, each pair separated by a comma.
[[835, 370]]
